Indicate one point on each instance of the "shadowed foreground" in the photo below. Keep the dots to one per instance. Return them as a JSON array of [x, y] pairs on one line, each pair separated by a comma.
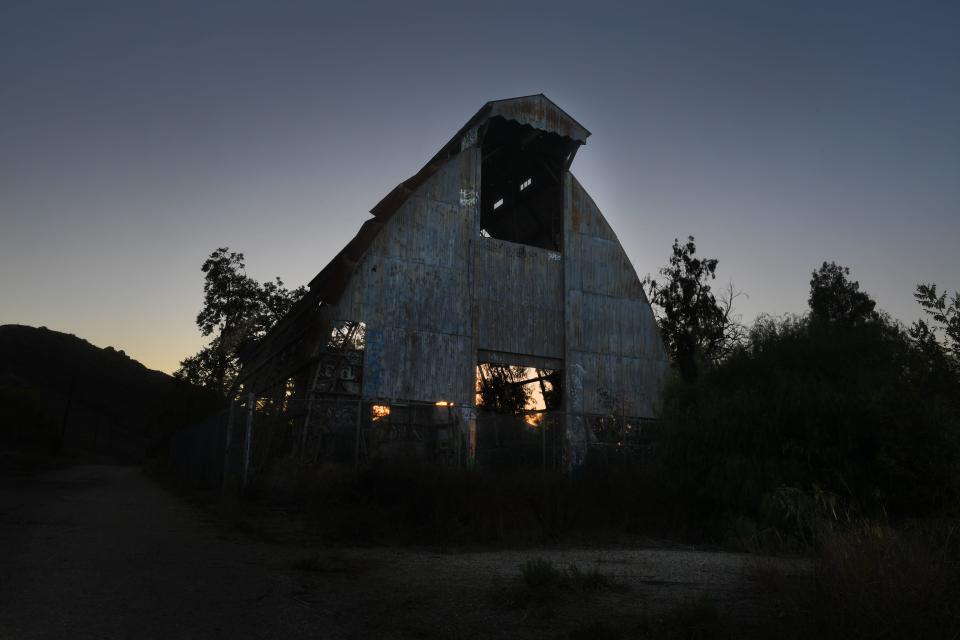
[[98, 551]]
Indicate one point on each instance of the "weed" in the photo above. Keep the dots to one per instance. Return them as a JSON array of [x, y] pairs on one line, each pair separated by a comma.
[[871, 581], [539, 574], [591, 580], [542, 582]]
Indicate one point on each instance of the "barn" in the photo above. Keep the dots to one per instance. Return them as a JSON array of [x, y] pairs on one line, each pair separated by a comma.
[[485, 315]]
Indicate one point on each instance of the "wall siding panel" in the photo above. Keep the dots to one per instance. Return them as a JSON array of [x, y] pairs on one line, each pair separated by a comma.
[[520, 299]]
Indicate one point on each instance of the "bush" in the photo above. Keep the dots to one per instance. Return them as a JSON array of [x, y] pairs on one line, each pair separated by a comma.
[[813, 423], [872, 581], [543, 583], [540, 574]]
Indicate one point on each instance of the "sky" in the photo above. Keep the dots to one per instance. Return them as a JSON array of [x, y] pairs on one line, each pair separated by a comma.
[[136, 138]]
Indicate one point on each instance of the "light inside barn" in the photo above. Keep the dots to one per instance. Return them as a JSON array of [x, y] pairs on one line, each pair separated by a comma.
[[379, 411]]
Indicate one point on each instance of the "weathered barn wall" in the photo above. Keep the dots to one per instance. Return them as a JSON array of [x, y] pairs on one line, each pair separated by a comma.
[[614, 354], [432, 292], [413, 289], [519, 299]]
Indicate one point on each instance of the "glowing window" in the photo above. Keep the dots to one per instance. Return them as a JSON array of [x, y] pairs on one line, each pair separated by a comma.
[[379, 411], [498, 204], [526, 183]]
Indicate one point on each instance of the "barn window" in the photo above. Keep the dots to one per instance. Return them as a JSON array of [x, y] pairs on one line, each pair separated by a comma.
[[347, 336], [521, 192], [506, 388]]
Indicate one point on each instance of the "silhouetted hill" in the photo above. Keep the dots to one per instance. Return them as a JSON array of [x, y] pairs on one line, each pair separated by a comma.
[[59, 392]]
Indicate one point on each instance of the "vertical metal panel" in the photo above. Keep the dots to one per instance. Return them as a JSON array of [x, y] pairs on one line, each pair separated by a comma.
[[422, 366], [619, 385], [585, 216], [614, 325], [603, 267], [520, 298], [412, 289], [612, 338]]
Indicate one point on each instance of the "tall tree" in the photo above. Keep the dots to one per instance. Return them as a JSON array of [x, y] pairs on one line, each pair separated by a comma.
[[237, 311], [693, 323], [836, 298]]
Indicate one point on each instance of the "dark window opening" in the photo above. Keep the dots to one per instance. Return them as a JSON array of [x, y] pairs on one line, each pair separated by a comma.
[[347, 336], [522, 184]]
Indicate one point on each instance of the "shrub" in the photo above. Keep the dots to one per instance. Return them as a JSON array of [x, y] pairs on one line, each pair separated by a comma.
[[871, 581], [540, 574], [811, 423]]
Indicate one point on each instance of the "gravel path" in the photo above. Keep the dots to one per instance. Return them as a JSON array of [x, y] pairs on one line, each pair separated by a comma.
[[104, 552]]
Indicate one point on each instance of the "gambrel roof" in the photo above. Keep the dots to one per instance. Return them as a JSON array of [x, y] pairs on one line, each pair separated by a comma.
[[535, 111]]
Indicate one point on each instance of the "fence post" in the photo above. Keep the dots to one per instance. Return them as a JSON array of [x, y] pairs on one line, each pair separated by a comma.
[[356, 449], [228, 445], [248, 440], [543, 441]]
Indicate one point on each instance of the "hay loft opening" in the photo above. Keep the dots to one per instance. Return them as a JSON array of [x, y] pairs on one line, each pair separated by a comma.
[[522, 184]]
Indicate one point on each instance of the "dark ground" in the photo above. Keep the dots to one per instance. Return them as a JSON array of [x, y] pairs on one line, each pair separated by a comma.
[[105, 552]]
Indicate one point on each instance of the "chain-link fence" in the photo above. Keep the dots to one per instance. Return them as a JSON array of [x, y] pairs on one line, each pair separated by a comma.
[[355, 433]]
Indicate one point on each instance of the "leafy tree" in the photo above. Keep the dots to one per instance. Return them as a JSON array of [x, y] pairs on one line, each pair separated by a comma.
[[834, 298], [237, 311], [946, 316], [695, 326]]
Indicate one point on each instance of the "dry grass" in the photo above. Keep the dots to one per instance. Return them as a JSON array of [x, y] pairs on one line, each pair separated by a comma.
[[871, 581]]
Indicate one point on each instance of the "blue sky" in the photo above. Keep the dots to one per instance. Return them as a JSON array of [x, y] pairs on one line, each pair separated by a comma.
[[135, 138]]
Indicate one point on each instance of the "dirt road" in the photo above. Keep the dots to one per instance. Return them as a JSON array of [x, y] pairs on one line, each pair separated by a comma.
[[104, 552]]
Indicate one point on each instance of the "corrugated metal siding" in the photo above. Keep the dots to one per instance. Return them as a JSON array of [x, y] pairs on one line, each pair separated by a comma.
[[619, 385], [413, 290], [419, 366], [603, 267], [615, 355], [585, 216], [520, 299], [618, 326]]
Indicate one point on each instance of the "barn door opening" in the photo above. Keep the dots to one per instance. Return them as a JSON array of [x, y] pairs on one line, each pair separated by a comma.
[[518, 417]]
